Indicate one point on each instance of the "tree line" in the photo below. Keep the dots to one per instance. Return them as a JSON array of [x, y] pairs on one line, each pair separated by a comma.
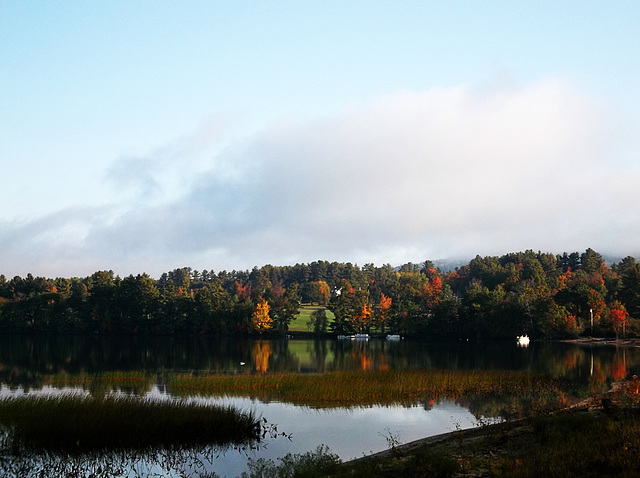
[[539, 294]]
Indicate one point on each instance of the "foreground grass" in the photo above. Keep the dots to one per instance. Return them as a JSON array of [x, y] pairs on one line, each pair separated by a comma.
[[365, 388], [599, 438], [602, 438], [75, 424], [567, 444], [578, 444]]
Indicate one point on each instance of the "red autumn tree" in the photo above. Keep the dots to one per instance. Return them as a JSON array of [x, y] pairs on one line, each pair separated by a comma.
[[618, 316], [243, 291], [432, 289], [277, 290]]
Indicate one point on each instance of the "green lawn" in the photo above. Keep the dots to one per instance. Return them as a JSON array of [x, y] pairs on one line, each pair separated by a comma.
[[299, 324]]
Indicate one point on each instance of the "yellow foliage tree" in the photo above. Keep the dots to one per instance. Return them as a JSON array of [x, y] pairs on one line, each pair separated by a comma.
[[261, 320]]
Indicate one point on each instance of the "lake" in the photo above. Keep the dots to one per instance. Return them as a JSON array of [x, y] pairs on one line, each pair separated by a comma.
[[32, 365]]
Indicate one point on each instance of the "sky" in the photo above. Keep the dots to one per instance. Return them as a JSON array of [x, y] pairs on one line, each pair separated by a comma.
[[143, 136]]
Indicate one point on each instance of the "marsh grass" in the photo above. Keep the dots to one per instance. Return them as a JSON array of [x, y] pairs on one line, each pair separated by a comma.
[[134, 381], [366, 388], [77, 425]]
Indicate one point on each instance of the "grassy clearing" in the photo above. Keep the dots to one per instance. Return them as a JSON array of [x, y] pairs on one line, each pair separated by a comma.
[[299, 324], [358, 388], [74, 424]]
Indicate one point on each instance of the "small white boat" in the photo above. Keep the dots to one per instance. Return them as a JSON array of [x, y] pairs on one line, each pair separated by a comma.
[[523, 340], [393, 337], [361, 336]]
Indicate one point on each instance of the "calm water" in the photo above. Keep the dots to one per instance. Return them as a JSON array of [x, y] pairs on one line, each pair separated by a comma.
[[27, 365]]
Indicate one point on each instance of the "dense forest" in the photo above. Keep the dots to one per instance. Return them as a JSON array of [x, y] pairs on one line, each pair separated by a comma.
[[539, 294]]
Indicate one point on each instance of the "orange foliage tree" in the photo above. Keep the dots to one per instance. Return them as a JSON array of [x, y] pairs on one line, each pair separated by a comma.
[[319, 292], [596, 303], [362, 320], [562, 280], [383, 310]]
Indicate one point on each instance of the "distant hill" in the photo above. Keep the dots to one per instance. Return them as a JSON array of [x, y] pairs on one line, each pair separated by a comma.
[[444, 265], [609, 260], [451, 263]]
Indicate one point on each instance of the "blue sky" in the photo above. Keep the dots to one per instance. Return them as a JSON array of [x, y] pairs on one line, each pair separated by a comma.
[[145, 136]]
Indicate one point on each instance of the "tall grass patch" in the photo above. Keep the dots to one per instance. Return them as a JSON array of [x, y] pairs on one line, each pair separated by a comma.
[[362, 388], [75, 424], [136, 382]]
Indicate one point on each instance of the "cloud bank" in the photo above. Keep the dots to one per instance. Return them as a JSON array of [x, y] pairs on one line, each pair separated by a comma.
[[415, 175]]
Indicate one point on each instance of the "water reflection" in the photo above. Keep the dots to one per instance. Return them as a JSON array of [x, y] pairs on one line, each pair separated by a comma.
[[349, 433], [167, 462], [260, 355], [144, 366], [30, 361]]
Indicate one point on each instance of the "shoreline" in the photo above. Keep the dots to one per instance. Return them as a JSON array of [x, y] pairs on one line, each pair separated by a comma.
[[460, 443], [621, 342]]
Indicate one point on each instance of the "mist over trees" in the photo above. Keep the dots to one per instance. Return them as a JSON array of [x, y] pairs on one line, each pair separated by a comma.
[[540, 294]]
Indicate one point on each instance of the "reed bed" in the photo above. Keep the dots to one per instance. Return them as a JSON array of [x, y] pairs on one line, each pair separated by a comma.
[[357, 388], [114, 379], [75, 424]]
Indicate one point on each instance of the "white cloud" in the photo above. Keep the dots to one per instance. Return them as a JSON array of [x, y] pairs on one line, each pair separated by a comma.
[[414, 175], [162, 174], [445, 171]]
